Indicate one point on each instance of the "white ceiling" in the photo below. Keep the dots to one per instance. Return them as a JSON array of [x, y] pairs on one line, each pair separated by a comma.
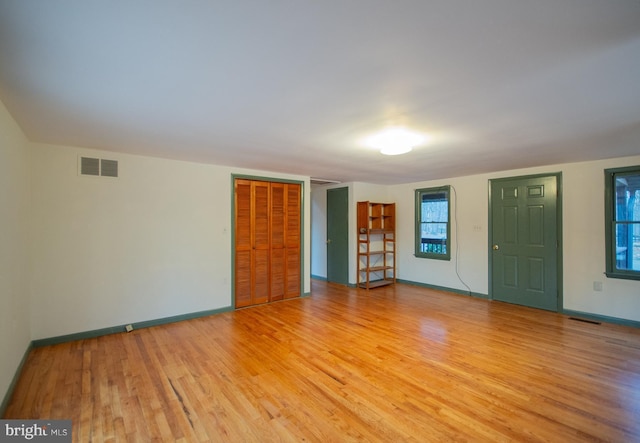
[[295, 85]]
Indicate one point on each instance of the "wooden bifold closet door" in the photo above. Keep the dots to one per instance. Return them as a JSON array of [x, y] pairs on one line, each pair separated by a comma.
[[267, 241]]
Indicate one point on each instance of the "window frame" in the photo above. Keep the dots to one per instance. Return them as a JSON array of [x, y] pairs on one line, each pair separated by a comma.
[[418, 223], [610, 223]]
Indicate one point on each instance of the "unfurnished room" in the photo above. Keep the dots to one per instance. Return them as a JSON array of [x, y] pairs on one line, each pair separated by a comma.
[[320, 221]]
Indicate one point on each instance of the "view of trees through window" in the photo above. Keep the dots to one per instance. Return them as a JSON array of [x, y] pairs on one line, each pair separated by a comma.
[[627, 222], [432, 223], [435, 215]]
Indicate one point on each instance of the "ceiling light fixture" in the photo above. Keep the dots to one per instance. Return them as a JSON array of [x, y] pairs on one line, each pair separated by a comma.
[[395, 141]]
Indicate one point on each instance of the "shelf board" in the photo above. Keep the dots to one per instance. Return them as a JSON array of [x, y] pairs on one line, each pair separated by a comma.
[[375, 231], [375, 253], [377, 268], [376, 284]]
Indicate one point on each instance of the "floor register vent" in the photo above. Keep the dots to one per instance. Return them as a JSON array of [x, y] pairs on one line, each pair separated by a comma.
[[98, 167], [584, 320]]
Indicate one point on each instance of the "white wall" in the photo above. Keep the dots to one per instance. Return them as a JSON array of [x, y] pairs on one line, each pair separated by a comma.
[[15, 334], [584, 255], [153, 243], [469, 206], [583, 236]]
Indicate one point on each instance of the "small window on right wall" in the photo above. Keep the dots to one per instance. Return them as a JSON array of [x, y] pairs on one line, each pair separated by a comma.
[[622, 222]]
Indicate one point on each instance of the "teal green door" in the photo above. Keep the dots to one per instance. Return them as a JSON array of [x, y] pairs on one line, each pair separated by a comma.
[[338, 235], [524, 241]]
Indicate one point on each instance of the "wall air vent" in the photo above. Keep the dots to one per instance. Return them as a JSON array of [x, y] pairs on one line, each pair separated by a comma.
[[89, 166], [98, 167], [323, 181], [109, 168]]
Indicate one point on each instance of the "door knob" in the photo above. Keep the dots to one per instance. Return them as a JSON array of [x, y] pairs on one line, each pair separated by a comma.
[[496, 247], [328, 240]]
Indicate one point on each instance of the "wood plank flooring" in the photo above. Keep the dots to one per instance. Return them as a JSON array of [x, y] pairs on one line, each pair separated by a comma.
[[394, 364]]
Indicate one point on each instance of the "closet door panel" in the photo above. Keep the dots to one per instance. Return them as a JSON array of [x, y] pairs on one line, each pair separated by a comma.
[[261, 276], [261, 242], [293, 216], [277, 268], [277, 275], [243, 215], [243, 279], [293, 273], [293, 240], [243, 245], [267, 241]]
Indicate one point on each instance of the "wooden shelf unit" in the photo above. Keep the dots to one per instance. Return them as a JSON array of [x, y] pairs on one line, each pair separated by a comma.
[[376, 223]]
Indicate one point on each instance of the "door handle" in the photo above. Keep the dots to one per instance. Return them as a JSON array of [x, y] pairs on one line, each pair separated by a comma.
[[328, 240], [496, 247]]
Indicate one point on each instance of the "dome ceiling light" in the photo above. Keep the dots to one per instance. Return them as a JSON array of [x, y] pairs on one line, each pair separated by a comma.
[[395, 141]]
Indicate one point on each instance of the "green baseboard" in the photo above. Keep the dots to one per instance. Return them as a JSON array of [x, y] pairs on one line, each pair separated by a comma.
[[176, 318], [122, 328], [601, 318], [14, 381], [317, 277], [444, 288], [568, 312]]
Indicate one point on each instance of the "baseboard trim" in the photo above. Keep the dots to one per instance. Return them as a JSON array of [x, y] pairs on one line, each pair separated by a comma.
[[601, 318], [444, 288], [14, 381], [317, 277], [122, 328], [569, 312]]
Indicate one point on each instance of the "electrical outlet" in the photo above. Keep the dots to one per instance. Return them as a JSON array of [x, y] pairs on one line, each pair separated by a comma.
[[129, 328], [597, 286]]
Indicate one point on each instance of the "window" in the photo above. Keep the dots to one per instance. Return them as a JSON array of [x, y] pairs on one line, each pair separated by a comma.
[[622, 221], [432, 223]]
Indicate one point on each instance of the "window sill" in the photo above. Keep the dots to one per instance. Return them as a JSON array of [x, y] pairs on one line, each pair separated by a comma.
[[623, 275], [433, 256]]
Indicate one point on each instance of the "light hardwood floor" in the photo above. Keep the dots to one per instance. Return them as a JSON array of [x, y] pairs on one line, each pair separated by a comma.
[[393, 364]]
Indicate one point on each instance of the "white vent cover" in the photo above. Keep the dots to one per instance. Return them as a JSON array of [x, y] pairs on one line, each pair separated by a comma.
[[323, 181], [98, 167]]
